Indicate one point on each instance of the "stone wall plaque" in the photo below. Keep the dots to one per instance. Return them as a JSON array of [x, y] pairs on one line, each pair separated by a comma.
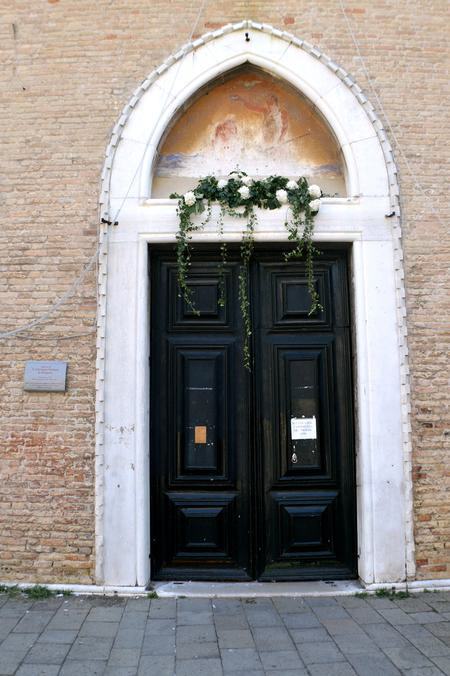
[[45, 376]]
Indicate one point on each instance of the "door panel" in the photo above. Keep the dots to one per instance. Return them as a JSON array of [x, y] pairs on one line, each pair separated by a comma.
[[307, 443], [199, 428], [252, 474]]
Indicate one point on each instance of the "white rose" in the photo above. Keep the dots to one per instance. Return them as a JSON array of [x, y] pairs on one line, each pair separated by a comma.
[[247, 180], [282, 196], [315, 191], [235, 174], [189, 198], [314, 205], [222, 183], [292, 185], [244, 192]]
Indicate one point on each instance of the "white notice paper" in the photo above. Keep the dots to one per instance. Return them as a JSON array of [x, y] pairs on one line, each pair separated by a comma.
[[303, 428]]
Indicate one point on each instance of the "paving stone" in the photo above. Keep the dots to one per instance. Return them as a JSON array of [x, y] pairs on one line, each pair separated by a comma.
[[19, 643], [285, 604], [68, 619], [231, 622], [316, 653], [366, 641], [163, 609], [281, 659], [47, 653], [106, 601], [378, 603], [38, 670], [133, 621], [140, 605], [161, 665], [227, 606], [272, 638], [199, 632], [57, 636], [284, 672], [7, 624], [406, 657], [384, 634], [52, 604], [440, 606], [120, 671], [424, 671], [129, 638], [90, 648], [263, 617], [370, 665], [362, 646], [352, 602], [33, 622], [100, 629], [158, 644], [443, 663], [338, 627], [441, 629], [301, 621], [320, 601], [259, 602], [424, 640], [255, 672], [338, 669], [108, 614], [9, 662], [331, 612], [315, 634], [83, 668], [412, 605], [124, 657], [201, 667], [426, 618], [194, 605], [194, 617], [240, 659], [396, 616], [365, 615], [160, 627], [15, 608], [235, 638], [197, 649]]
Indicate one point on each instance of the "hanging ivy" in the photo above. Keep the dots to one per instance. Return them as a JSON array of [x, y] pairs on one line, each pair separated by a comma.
[[238, 196]]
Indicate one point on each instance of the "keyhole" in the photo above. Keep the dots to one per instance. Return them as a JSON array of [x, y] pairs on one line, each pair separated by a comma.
[[294, 458]]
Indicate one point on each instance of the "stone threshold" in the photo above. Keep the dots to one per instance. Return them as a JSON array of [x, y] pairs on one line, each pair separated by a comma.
[[177, 589]]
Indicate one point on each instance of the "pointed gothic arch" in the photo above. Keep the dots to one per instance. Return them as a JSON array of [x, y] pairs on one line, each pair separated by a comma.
[[384, 501]]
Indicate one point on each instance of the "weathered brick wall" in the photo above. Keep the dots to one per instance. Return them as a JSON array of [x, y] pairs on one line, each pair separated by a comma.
[[68, 68]]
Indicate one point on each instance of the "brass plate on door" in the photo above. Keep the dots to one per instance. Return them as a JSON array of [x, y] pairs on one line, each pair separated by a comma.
[[200, 435]]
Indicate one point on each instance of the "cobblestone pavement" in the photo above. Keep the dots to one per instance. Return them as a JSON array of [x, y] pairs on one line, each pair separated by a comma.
[[326, 636]]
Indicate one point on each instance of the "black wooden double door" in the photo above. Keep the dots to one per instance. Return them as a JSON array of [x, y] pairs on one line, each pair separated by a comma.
[[252, 473]]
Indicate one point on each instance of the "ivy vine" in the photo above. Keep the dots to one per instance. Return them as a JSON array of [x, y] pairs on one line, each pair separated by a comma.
[[238, 196]]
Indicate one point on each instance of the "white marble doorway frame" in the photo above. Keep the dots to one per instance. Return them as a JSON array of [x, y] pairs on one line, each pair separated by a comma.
[[364, 218]]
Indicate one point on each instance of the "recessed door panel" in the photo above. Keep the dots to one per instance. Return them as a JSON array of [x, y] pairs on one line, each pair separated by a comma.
[[300, 392], [201, 405]]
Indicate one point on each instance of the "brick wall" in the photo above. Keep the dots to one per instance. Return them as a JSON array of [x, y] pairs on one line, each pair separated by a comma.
[[69, 66]]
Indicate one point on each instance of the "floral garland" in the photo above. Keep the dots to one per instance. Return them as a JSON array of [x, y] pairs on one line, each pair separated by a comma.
[[238, 196]]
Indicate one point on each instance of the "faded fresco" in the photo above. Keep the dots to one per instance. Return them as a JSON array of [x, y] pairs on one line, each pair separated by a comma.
[[254, 122]]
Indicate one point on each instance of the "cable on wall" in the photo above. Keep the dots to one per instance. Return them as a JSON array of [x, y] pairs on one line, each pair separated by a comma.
[[113, 221]]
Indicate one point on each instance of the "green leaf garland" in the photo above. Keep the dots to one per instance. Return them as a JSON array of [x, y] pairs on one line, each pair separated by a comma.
[[239, 196]]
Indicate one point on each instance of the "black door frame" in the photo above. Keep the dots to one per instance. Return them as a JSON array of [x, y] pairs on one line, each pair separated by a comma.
[[256, 488]]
